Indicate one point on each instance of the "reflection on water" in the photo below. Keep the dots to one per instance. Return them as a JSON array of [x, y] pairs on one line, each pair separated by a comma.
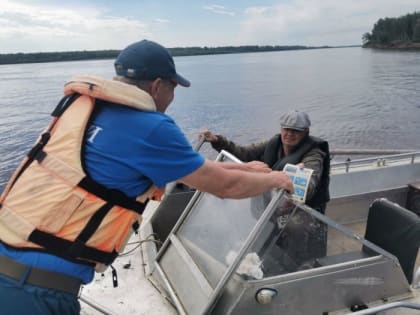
[[357, 98]]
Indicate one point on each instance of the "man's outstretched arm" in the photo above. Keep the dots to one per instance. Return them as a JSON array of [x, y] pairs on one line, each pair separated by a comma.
[[223, 182]]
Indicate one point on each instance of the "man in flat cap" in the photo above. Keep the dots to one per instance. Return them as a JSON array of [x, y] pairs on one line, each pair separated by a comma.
[[293, 145], [304, 238]]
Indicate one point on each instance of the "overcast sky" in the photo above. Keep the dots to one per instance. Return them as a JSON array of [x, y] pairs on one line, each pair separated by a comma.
[[37, 26]]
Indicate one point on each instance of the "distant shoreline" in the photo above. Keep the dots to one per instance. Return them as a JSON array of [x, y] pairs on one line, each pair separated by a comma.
[[41, 57], [396, 45]]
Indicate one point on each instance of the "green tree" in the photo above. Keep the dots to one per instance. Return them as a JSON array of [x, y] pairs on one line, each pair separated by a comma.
[[388, 30], [366, 38], [416, 32]]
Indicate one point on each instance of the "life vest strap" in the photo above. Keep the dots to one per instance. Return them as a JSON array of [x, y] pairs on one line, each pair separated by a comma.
[[36, 152], [63, 248], [112, 195], [64, 103], [92, 226]]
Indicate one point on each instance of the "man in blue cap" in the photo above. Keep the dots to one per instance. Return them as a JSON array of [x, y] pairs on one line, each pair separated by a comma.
[[130, 146]]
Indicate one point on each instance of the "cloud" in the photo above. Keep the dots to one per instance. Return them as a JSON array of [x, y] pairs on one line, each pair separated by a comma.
[[31, 26], [317, 22], [256, 10], [219, 9], [162, 20], [70, 28]]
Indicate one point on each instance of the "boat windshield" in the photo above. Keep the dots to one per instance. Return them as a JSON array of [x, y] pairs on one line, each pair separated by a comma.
[[271, 239], [292, 238]]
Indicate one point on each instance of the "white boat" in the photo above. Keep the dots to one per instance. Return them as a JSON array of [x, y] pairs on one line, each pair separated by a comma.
[[198, 254]]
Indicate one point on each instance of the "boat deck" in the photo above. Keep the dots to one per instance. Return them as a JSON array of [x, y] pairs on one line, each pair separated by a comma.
[[135, 295]]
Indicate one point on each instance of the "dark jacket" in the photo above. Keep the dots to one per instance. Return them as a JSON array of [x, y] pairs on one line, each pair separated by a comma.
[[312, 151]]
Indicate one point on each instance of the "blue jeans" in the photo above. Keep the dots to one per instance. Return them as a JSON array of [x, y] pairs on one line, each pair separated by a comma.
[[18, 298]]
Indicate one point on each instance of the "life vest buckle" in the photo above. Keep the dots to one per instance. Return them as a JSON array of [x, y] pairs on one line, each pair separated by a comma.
[[40, 156], [37, 149]]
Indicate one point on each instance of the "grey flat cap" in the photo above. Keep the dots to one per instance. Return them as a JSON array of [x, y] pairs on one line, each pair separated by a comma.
[[295, 120]]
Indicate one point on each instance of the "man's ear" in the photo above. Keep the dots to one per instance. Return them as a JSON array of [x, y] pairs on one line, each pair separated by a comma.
[[155, 86]]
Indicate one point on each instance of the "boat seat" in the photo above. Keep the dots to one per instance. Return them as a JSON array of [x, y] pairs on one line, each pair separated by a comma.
[[396, 230], [413, 198], [168, 213]]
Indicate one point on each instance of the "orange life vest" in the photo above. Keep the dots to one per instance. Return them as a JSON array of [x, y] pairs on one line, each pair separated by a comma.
[[51, 204]]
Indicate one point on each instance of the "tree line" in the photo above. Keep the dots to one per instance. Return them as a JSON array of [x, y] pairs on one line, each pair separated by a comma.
[[394, 31], [112, 54]]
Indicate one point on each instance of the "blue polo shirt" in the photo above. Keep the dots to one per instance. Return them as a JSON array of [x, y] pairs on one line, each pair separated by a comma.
[[128, 150]]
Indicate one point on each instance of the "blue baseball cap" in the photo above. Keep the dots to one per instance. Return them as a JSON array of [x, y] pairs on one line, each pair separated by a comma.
[[147, 60]]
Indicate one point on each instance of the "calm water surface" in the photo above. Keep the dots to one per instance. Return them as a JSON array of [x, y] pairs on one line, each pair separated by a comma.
[[357, 98]]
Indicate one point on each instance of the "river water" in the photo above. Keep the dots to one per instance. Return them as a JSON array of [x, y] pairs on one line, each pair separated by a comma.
[[356, 98]]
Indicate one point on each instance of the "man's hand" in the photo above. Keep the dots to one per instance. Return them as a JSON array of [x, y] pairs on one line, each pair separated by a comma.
[[209, 136], [257, 166], [282, 180]]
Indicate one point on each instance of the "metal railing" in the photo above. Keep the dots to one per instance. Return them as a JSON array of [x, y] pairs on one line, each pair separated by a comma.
[[381, 160], [368, 152], [95, 305]]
